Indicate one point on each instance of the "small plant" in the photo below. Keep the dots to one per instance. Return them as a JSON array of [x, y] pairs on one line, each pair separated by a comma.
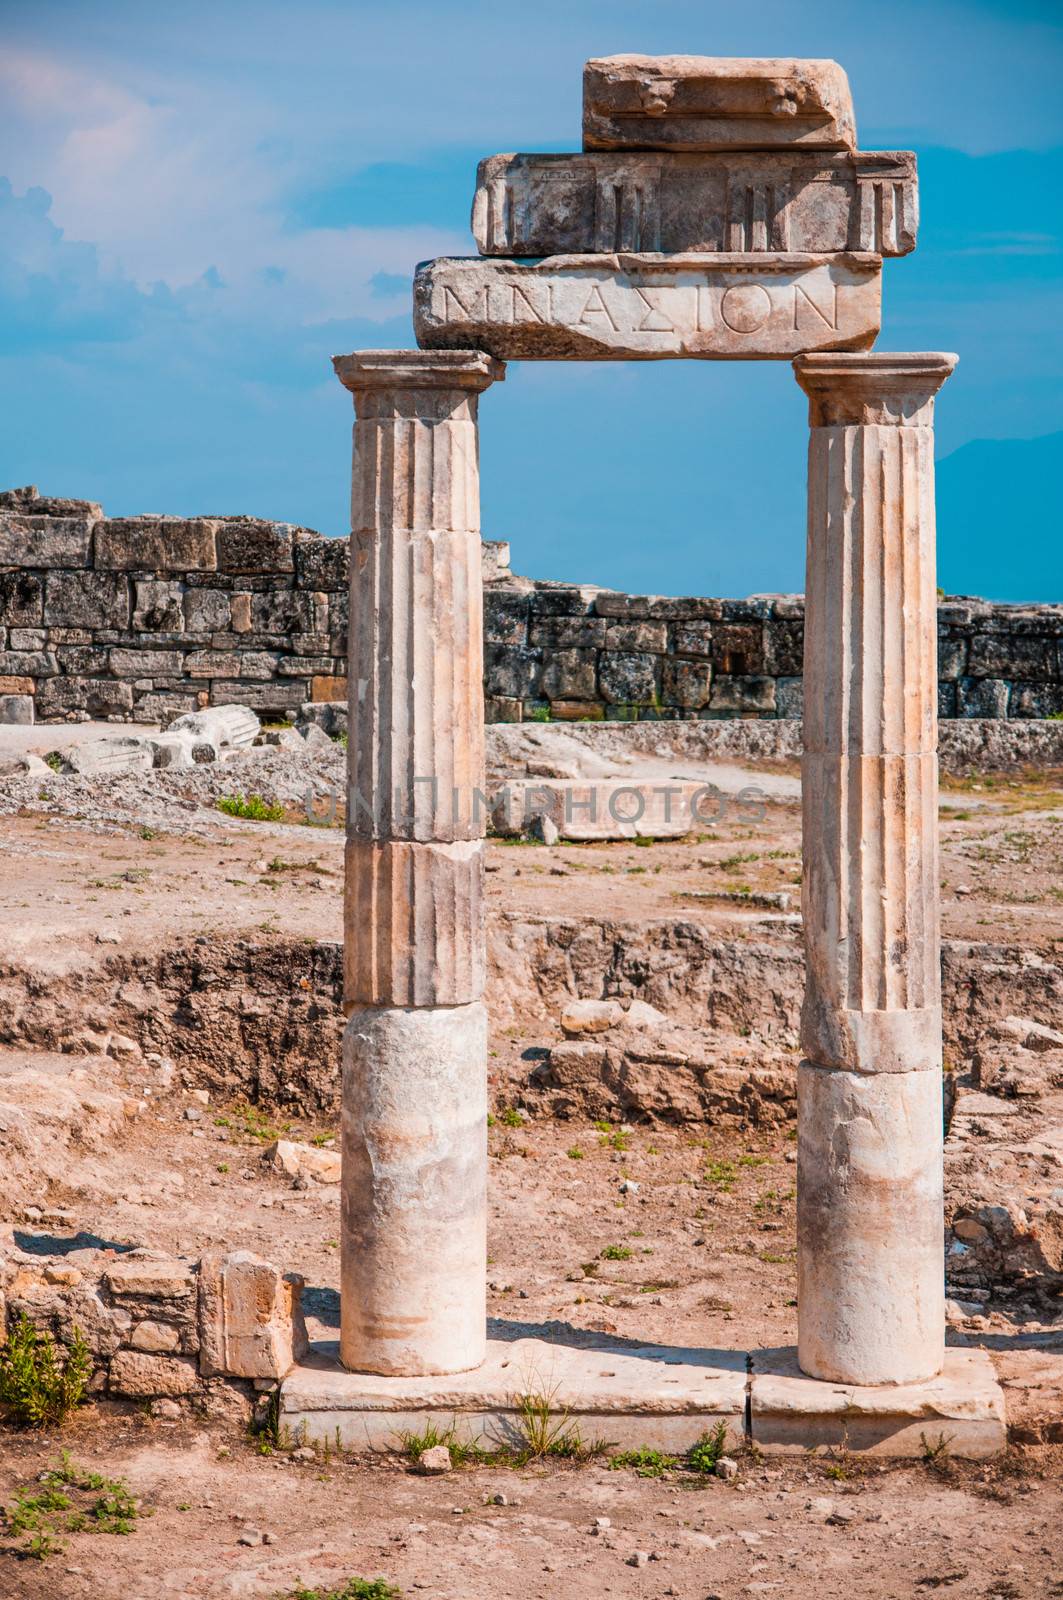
[[103, 1505], [353, 1589], [575, 1153], [646, 1462], [251, 1123], [612, 1138], [539, 714], [54, 760], [722, 1174], [462, 1453], [510, 1117], [39, 1386], [251, 808], [616, 1252], [705, 1452], [936, 1453]]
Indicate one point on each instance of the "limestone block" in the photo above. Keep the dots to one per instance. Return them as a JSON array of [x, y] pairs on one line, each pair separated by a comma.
[[29, 541], [142, 1375], [298, 1160], [512, 670], [87, 600], [16, 708], [156, 544], [159, 1338], [205, 610], [322, 564], [146, 663], [102, 757], [627, 306], [742, 693], [157, 1280], [101, 697], [870, 1242], [28, 502], [415, 920], [10, 685], [173, 750], [629, 678], [247, 545], [716, 103], [250, 1317], [549, 205], [21, 599], [157, 606], [229, 727], [414, 1241]]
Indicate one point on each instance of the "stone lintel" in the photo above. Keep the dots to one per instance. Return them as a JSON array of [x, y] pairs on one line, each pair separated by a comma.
[[626, 306], [964, 1405], [883, 387], [716, 103], [531, 204]]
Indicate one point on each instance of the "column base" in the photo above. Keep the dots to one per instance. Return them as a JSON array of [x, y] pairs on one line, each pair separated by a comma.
[[652, 1396]]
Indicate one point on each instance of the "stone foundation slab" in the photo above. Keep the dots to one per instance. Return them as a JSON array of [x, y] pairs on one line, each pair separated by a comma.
[[631, 1395], [964, 1405]]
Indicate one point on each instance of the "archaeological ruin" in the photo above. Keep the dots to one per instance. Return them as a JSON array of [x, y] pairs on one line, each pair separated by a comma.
[[719, 210], [676, 1057]]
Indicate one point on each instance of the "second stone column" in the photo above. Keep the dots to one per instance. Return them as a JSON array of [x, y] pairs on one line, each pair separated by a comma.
[[871, 1301], [413, 1239]]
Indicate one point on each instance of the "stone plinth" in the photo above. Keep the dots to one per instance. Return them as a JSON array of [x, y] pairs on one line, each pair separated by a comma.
[[631, 1395], [547, 205], [716, 103], [414, 1157], [655, 1397], [963, 1405], [624, 307], [870, 1246]]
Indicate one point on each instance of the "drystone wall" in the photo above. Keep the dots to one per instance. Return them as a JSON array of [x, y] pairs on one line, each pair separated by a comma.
[[139, 619]]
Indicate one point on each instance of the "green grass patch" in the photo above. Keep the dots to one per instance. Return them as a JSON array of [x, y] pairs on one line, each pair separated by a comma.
[[68, 1500], [252, 1123], [250, 808], [616, 1252]]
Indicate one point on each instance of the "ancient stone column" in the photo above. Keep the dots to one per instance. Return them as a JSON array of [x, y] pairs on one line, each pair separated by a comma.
[[871, 1303], [413, 1239]]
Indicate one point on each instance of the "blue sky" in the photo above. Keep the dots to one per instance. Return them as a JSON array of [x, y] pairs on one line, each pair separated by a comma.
[[201, 203]]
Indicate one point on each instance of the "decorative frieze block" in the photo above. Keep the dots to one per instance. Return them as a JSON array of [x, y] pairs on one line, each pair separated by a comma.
[[715, 103], [545, 205], [622, 307]]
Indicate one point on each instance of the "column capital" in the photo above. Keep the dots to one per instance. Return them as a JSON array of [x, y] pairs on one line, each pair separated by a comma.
[[418, 369], [881, 387]]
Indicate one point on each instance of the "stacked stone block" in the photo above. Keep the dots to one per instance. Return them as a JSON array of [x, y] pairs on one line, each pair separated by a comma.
[[139, 619]]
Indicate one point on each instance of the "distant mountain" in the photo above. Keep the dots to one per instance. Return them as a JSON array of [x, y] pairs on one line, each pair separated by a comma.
[[1000, 527]]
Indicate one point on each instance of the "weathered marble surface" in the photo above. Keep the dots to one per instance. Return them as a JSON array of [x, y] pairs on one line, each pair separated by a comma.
[[715, 103], [623, 306], [870, 1263], [542, 205]]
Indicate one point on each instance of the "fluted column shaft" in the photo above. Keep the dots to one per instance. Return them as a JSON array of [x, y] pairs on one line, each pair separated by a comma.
[[413, 1239], [870, 1238]]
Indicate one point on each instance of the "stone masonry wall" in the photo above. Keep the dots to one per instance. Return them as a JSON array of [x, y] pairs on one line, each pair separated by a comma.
[[138, 619], [576, 652]]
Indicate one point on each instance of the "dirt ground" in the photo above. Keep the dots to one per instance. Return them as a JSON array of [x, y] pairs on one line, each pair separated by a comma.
[[703, 1252]]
